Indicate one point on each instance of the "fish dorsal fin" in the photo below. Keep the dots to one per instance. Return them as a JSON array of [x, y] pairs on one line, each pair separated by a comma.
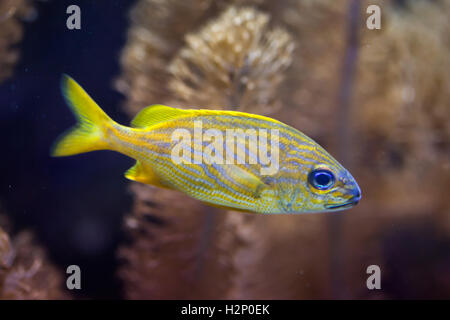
[[156, 113]]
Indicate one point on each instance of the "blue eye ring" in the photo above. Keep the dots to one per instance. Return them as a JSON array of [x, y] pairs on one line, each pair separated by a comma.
[[321, 179]]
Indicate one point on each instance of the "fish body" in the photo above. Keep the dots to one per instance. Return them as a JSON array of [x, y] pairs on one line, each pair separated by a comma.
[[227, 159]]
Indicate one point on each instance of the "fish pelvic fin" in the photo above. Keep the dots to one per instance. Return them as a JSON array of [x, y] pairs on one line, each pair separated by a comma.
[[90, 133]]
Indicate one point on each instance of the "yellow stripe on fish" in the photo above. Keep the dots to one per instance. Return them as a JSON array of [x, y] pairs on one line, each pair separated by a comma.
[[228, 159]]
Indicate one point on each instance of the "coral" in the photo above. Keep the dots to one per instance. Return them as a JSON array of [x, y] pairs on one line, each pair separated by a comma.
[[155, 36], [401, 100], [235, 61], [25, 272], [176, 248], [181, 248], [401, 130], [398, 120], [11, 14]]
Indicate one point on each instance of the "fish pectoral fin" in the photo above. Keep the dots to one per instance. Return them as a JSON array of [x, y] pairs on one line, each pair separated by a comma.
[[253, 183], [142, 174], [156, 113]]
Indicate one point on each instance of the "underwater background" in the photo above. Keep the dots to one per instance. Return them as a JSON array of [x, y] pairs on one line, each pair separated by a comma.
[[377, 100]]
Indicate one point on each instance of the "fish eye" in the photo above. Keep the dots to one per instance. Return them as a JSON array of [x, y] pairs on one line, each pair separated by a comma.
[[321, 179]]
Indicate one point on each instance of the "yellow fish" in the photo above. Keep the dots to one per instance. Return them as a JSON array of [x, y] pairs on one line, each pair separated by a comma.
[[227, 159]]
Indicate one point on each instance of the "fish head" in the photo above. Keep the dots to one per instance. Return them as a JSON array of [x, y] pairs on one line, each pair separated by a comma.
[[331, 188]]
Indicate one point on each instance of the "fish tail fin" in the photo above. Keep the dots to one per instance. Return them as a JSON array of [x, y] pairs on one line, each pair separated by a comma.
[[90, 132]]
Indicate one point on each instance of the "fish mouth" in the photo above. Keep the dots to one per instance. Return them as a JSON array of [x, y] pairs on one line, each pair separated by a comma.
[[344, 205], [348, 204]]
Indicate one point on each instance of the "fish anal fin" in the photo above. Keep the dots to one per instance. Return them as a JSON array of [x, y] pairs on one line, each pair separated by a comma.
[[143, 174], [155, 114]]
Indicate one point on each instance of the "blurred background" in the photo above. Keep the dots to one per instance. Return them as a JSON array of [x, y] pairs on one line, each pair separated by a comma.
[[377, 100]]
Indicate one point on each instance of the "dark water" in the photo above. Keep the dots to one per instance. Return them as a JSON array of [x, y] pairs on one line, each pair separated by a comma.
[[74, 204]]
